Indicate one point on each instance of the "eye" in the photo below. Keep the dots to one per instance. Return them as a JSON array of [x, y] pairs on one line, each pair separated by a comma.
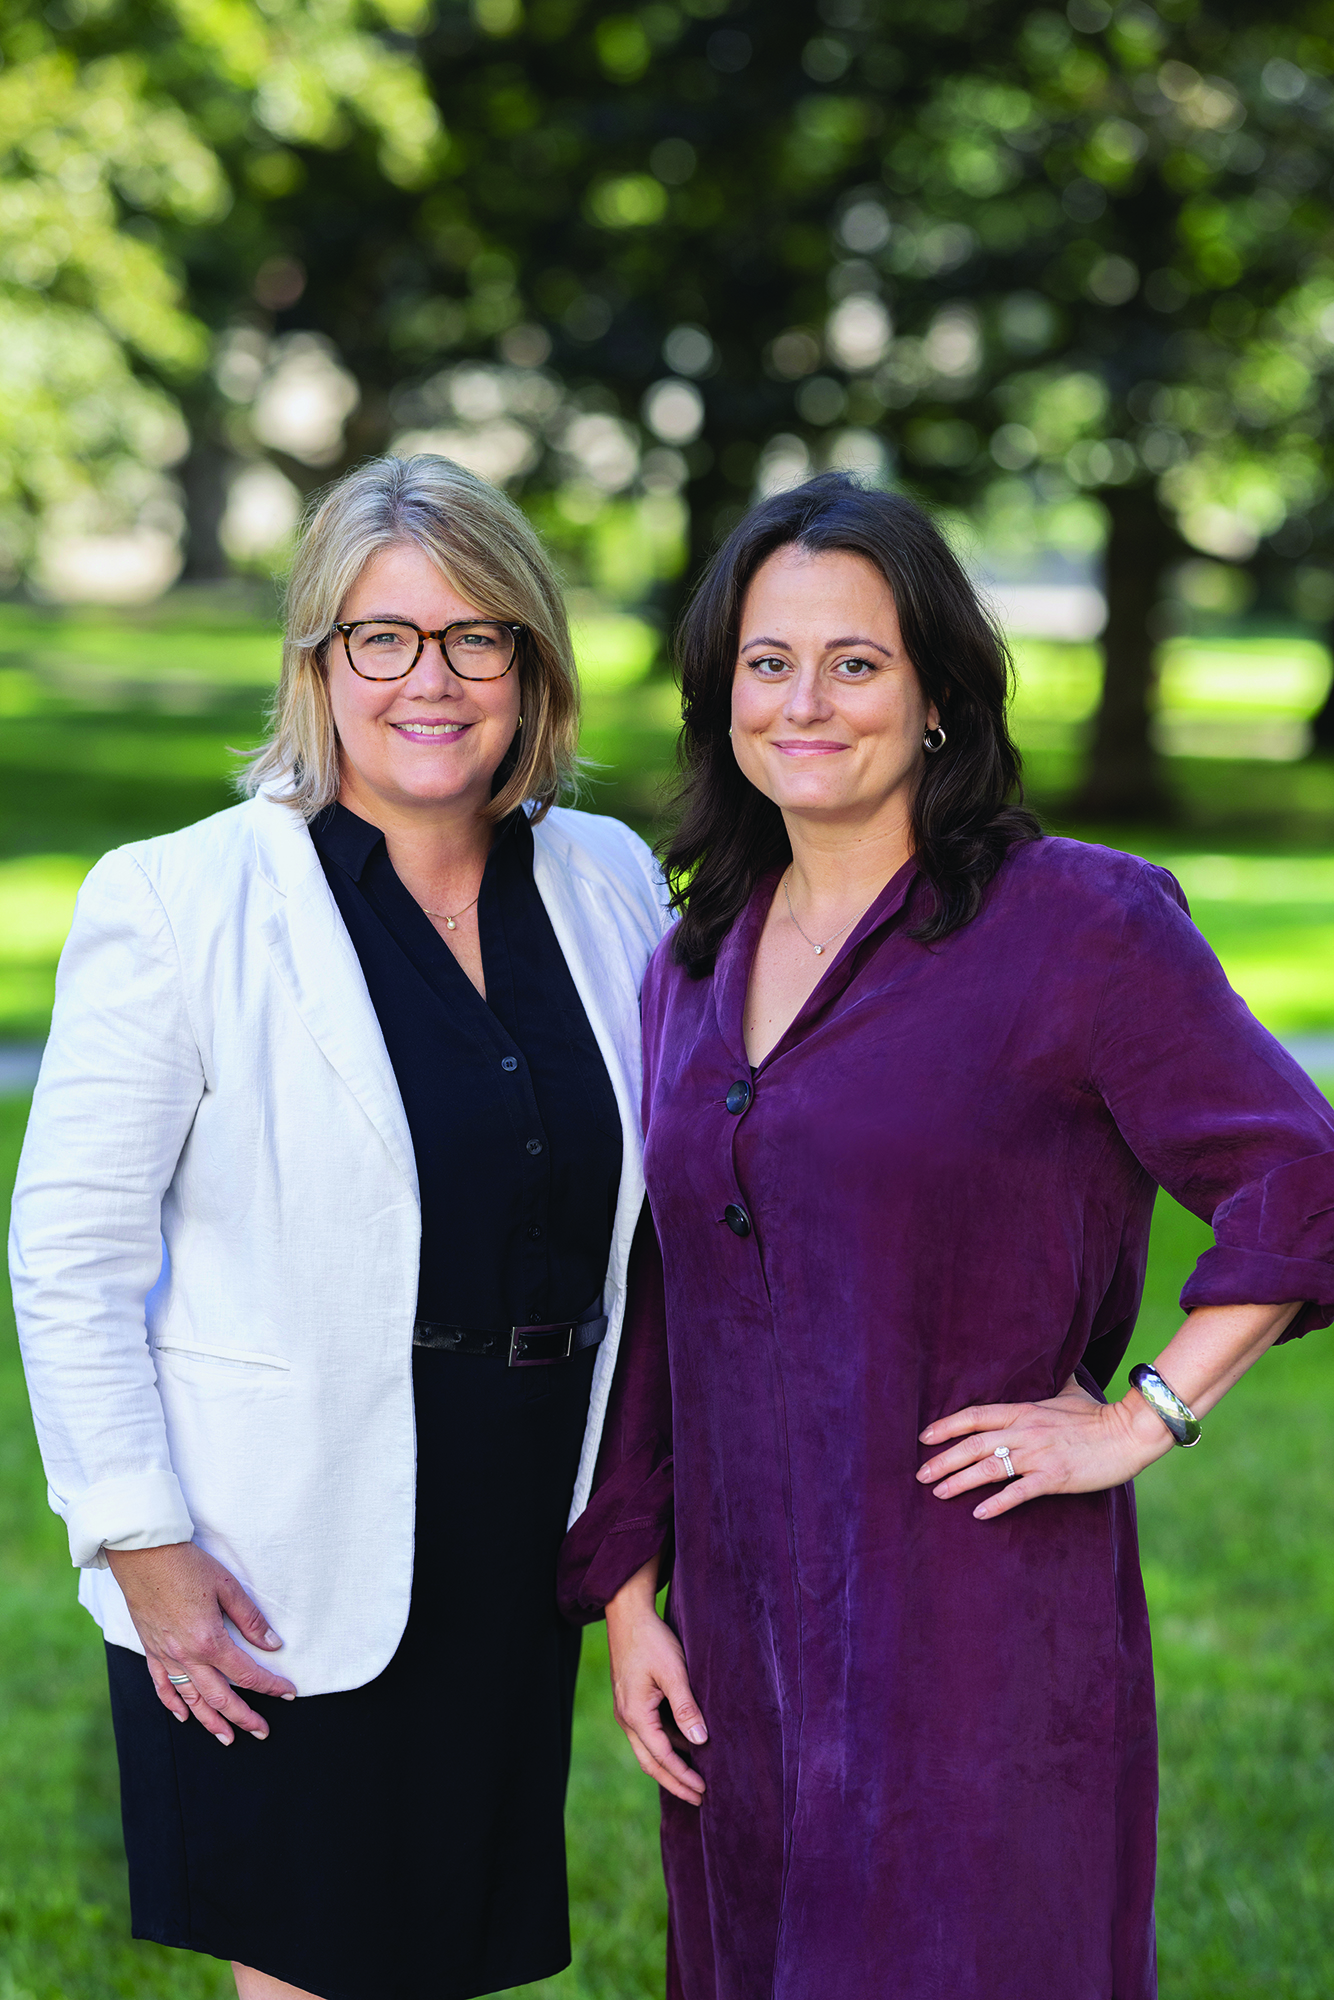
[[769, 667], [855, 670]]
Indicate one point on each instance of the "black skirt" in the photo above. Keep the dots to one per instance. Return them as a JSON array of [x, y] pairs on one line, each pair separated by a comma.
[[404, 1840]]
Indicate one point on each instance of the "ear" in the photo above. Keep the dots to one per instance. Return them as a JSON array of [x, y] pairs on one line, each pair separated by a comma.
[[932, 716]]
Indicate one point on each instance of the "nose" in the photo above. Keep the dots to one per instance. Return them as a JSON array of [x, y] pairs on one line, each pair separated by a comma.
[[432, 678], [807, 696]]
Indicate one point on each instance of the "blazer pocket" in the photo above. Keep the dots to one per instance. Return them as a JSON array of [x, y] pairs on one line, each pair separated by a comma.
[[226, 1357]]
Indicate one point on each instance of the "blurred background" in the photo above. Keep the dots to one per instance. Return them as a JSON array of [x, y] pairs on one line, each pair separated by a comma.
[[1066, 276]]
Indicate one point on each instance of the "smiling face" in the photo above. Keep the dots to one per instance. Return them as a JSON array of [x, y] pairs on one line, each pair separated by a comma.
[[431, 741], [827, 710]]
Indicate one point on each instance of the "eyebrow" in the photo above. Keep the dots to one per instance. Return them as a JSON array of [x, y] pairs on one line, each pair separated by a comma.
[[831, 645]]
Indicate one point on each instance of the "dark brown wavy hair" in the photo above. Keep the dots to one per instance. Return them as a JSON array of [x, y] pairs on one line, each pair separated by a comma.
[[963, 822]]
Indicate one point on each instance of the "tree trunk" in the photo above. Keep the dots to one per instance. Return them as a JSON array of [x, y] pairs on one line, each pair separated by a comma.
[[1124, 780], [204, 482]]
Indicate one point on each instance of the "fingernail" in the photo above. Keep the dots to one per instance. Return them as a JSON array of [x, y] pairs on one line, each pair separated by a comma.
[[185, 1717], [260, 1735], [271, 1637], [699, 1734], [289, 1697]]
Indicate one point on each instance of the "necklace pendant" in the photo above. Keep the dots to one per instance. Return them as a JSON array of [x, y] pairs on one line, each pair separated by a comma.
[[450, 925], [818, 949]]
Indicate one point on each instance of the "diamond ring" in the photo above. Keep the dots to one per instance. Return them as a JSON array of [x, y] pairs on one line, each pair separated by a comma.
[[1002, 1452]]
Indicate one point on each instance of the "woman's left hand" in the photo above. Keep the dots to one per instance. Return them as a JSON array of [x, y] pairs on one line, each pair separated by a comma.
[[1070, 1444]]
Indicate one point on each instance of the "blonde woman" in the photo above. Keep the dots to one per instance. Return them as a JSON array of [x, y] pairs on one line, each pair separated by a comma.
[[319, 1249]]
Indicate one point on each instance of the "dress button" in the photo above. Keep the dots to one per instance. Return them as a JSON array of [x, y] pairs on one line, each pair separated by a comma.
[[534, 1146], [509, 1062], [738, 1097], [736, 1219]]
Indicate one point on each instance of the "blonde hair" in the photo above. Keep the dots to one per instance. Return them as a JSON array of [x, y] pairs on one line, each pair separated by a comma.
[[484, 547]]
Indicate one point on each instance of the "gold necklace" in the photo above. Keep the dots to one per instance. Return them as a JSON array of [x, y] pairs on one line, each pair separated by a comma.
[[451, 923], [819, 949]]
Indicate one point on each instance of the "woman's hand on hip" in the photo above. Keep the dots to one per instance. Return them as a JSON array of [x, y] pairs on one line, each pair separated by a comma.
[[177, 1597], [648, 1668], [1069, 1444]]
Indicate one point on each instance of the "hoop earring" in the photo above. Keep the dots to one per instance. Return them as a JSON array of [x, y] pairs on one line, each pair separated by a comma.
[[518, 725], [939, 744]]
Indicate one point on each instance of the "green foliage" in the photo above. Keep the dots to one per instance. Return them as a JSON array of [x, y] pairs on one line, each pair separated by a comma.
[[142, 150]]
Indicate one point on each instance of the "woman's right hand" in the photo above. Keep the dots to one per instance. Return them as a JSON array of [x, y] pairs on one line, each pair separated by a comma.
[[177, 1596], [648, 1667]]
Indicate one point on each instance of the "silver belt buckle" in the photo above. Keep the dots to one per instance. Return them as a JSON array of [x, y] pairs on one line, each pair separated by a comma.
[[518, 1333]]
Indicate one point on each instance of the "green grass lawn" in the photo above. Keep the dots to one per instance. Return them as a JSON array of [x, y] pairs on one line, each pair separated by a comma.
[[1237, 1558]]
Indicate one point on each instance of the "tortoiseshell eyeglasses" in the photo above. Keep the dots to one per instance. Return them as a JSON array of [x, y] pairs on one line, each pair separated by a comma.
[[387, 649]]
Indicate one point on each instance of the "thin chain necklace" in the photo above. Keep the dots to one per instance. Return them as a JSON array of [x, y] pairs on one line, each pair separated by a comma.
[[451, 923], [819, 949]]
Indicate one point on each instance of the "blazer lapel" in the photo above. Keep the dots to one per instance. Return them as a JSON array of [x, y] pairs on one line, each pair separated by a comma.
[[600, 966], [315, 959]]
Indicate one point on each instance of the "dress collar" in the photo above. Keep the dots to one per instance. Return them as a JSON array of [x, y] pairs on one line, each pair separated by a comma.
[[342, 837], [736, 955]]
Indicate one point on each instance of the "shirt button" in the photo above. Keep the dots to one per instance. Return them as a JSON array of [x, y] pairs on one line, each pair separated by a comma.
[[535, 1232], [738, 1097], [509, 1062], [736, 1219], [534, 1146]]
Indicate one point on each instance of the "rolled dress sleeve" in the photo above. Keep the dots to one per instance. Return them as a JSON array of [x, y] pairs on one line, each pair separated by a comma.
[[629, 1514], [1217, 1112], [120, 1084]]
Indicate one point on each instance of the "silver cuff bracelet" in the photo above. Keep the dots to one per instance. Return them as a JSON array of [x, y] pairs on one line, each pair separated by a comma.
[[1184, 1425]]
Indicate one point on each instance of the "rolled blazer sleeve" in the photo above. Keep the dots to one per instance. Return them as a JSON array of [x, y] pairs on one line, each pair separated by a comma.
[[629, 1514], [1218, 1113], [120, 1084]]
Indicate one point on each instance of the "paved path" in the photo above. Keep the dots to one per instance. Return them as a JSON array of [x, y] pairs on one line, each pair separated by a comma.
[[18, 1066]]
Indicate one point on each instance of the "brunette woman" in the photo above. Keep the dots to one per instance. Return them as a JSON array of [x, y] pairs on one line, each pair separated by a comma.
[[913, 1073]]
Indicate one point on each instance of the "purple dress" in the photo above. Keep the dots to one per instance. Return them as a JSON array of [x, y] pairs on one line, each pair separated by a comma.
[[932, 1762]]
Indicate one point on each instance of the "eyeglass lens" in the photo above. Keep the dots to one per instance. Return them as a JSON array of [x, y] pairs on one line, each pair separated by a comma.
[[381, 650]]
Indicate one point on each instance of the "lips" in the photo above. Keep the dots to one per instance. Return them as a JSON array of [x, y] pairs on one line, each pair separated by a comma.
[[430, 732], [800, 747]]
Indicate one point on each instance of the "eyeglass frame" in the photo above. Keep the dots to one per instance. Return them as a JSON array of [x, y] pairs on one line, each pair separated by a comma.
[[346, 627]]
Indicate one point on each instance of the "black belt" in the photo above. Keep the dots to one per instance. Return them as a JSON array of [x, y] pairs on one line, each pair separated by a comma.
[[525, 1346]]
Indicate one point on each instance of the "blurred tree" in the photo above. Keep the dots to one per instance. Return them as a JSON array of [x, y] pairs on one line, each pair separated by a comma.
[[148, 146], [1068, 273], [1142, 315], [1074, 271]]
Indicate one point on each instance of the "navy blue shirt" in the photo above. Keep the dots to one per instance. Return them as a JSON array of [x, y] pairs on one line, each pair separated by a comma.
[[512, 1113]]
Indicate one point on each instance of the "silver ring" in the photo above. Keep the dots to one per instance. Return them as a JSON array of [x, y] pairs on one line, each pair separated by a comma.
[[180, 1680], [1002, 1452]]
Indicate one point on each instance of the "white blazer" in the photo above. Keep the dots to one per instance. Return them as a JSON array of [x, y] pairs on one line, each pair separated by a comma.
[[216, 1225]]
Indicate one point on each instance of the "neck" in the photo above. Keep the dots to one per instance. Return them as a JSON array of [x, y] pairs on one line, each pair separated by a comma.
[[835, 866], [440, 843]]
